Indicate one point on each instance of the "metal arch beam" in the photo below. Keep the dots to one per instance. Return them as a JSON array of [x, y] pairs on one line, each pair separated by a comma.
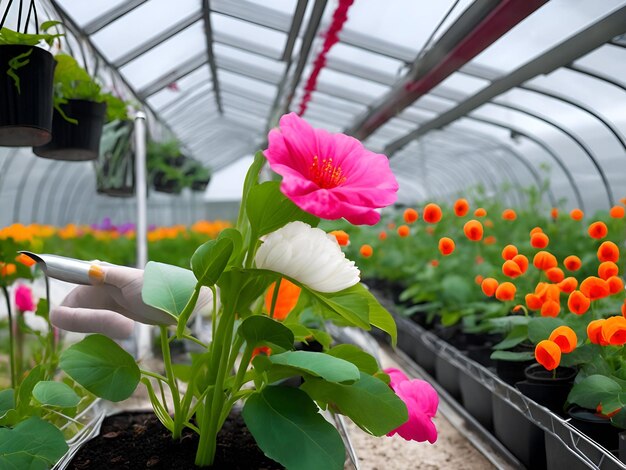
[[571, 135], [542, 145], [104, 20], [181, 71], [17, 204], [65, 209], [294, 29], [74, 176], [253, 13], [40, 188], [480, 25], [459, 178], [560, 55], [208, 32], [47, 179], [57, 183], [10, 157], [589, 73]]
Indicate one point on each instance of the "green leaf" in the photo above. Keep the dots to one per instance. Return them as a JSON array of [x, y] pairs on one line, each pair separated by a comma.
[[348, 352], [593, 390], [25, 389], [287, 427], [234, 236], [518, 334], [251, 179], [378, 315], [268, 209], [349, 303], [32, 444], [210, 259], [102, 367], [259, 329], [167, 287], [513, 356], [369, 402], [449, 318], [455, 289], [7, 401], [55, 394], [321, 337], [42, 308], [321, 365], [540, 328]]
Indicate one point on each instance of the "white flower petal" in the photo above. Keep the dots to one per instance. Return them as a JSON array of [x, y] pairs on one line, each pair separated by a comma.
[[309, 256]]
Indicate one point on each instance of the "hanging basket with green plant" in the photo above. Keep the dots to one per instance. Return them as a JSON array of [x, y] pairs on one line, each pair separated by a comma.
[[115, 167], [26, 77], [167, 167]]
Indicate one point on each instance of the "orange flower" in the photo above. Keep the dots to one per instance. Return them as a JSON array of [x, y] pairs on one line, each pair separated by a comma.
[[479, 259], [568, 285], [578, 303], [598, 230], [286, 300], [595, 288], [261, 350], [518, 308], [489, 286], [434, 263], [533, 301], [624, 309], [616, 285], [410, 215], [382, 235], [461, 207], [488, 223], [548, 354], [478, 279], [7, 269], [432, 213], [539, 240], [490, 240], [342, 237], [404, 230], [623, 200], [366, 251], [550, 308], [617, 212], [554, 213], [614, 331], [594, 332], [511, 269], [391, 225], [544, 260], [506, 291], [572, 263], [607, 269], [576, 214], [604, 414], [430, 230], [555, 275], [509, 251], [565, 337], [509, 214], [446, 246], [480, 212], [473, 230], [25, 260], [521, 261], [536, 230], [608, 251]]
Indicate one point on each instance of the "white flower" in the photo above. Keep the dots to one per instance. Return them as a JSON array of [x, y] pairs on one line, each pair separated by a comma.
[[308, 255]]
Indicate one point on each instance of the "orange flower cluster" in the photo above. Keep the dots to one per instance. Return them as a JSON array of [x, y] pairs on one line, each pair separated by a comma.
[[548, 352]]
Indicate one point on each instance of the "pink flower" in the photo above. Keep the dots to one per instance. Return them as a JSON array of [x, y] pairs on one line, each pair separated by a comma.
[[421, 401], [24, 299], [330, 175]]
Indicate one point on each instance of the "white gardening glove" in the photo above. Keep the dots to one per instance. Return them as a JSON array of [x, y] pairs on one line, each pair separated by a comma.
[[113, 307]]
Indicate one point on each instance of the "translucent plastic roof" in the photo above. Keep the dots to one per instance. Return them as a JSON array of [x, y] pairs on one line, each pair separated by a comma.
[[494, 104]]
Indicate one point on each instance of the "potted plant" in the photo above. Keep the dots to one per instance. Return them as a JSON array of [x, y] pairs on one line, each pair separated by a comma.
[[80, 110], [115, 167], [166, 166], [26, 85], [200, 176]]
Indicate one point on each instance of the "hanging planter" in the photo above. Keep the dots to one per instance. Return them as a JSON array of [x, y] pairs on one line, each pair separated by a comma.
[[26, 76], [80, 112], [115, 168], [166, 167], [200, 176]]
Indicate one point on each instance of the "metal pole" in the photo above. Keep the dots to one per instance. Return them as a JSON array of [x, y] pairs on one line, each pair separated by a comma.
[[142, 331]]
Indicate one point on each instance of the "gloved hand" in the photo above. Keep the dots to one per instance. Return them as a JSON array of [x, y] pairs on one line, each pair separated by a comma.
[[113, 307]]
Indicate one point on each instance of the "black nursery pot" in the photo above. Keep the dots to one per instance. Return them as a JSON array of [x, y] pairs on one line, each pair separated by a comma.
[[75, 142], [597, 428], [26, 115], [447, 374], [548, 390], [476, 399], [199, 185], [117, 192]]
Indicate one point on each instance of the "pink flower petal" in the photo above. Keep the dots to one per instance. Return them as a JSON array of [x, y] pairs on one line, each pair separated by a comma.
[[421, 401]]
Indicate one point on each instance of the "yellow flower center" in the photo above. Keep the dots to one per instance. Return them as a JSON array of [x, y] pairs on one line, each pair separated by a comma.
[[325, 174]]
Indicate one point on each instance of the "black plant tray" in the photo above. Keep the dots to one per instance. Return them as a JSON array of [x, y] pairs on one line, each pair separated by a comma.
[[566, 447]]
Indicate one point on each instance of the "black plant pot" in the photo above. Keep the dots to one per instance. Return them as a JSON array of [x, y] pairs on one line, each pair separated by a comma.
[[199, 185], [167, 187], [558, 455], [125, 192], [524, 439], [548, 390], [26, 115], [476, 399], [424, 356], [596, 427], [447, 374], [75, 142]]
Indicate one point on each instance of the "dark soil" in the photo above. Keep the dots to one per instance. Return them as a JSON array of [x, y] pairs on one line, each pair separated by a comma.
[[133, 441]]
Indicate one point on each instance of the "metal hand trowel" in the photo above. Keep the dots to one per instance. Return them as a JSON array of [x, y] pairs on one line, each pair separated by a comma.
[[69, 269]]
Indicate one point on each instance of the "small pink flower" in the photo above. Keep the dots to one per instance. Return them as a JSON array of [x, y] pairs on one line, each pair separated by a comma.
[[330, 175], [24, 299], [421, 401]]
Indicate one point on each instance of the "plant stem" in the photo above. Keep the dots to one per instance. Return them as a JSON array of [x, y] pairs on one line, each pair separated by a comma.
[[11, 340], [275, 296], [186, 313], [214, 313], [171, 381]]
